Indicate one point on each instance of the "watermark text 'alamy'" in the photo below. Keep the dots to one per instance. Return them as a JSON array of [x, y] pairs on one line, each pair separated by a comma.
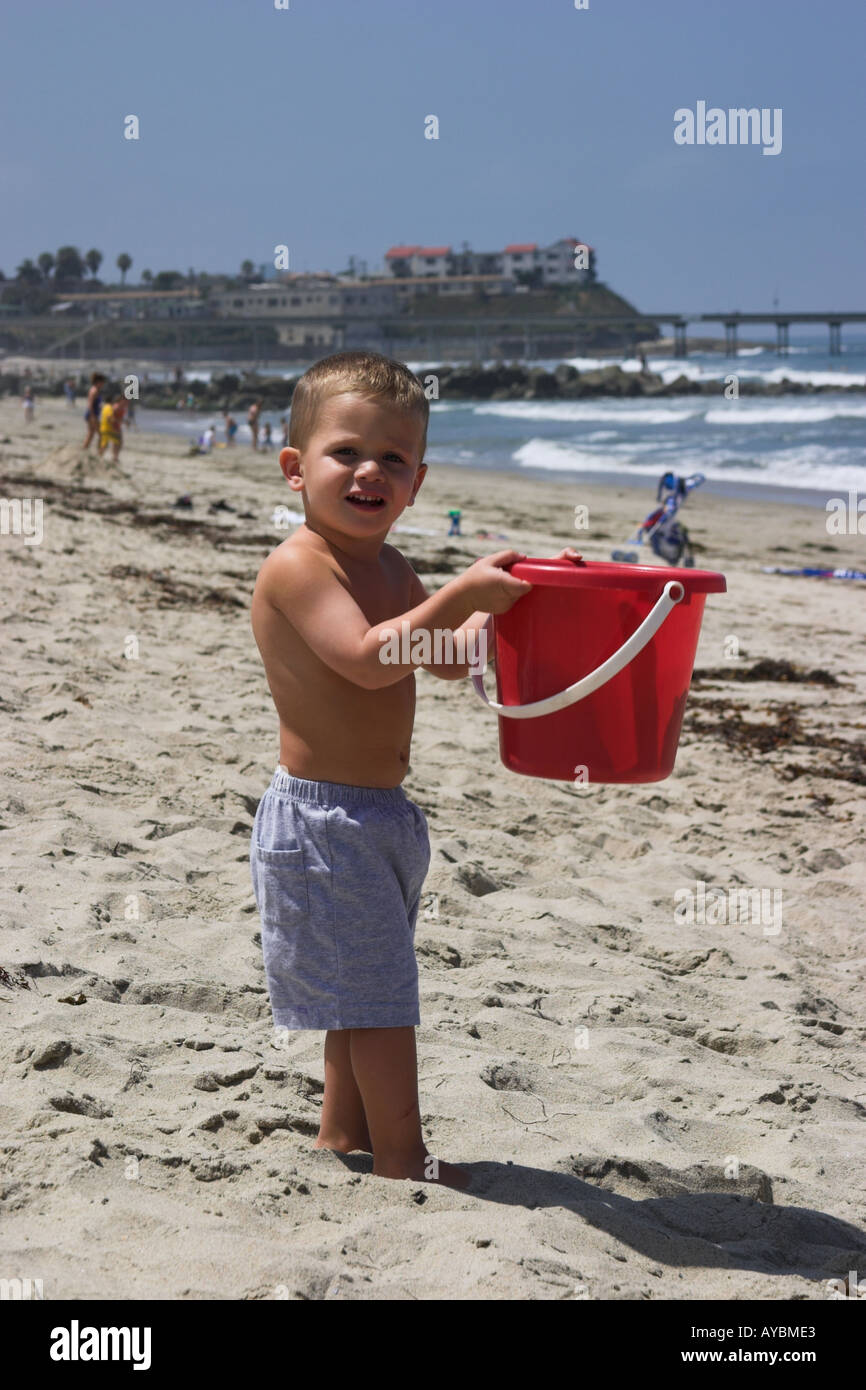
[[737, 126]]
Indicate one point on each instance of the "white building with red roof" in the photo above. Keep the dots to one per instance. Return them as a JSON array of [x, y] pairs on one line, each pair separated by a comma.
[[428, 261], [520, 261]]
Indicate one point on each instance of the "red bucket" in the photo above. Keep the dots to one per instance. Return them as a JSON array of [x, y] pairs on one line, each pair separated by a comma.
[[593, 668]]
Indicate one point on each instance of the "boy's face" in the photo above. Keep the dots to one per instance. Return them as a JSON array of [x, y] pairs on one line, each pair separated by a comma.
[[360, 467]]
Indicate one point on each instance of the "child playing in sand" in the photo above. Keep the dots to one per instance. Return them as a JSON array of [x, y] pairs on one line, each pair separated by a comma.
[[110, 425], [339, 853]]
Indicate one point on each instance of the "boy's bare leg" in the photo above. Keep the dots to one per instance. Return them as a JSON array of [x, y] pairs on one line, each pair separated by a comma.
[[343, 1125], [386, 1070]]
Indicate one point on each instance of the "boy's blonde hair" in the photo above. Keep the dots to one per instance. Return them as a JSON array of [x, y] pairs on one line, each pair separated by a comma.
[[366, 374]]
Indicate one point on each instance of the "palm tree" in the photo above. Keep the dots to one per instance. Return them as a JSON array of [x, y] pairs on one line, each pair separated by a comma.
[[247, 270], [93, 260], [123, 263], [146, 277], [69, 265], [46, 264], [28, 272]]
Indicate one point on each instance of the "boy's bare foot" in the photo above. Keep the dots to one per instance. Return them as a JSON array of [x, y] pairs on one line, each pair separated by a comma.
[[425, 1167], [344, 1143], [385, 1068]]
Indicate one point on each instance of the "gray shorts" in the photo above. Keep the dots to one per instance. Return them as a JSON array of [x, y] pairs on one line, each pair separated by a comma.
[[337, 875]]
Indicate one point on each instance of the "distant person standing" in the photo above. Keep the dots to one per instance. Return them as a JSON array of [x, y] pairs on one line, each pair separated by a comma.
[[94, 406], [267, 441], [69, 391], [253, 418], [284, 444], [28, 404], [231, 425]]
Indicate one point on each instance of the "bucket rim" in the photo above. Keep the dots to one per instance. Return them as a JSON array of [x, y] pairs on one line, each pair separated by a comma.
[[561, 572]]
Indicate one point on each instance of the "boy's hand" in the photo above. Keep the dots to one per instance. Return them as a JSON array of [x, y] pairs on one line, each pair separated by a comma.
[[489, 585]]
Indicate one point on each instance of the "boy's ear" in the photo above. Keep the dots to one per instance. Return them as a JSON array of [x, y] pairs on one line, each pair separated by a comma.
[[419, 478], [290, 460]]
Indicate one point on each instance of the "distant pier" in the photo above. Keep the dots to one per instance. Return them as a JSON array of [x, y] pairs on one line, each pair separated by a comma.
[[733, 321]]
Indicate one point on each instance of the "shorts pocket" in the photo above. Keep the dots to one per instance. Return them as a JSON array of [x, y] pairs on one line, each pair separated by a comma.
[[279, 883], [422, 834]]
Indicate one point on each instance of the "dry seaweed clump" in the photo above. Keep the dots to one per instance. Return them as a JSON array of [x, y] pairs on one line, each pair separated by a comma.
[[13, 981], [840, 759], [767, 669]]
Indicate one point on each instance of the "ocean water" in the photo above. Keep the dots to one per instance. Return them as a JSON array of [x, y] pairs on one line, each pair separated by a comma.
[[804, 448]]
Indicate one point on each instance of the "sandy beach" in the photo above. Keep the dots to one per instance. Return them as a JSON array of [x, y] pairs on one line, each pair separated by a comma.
[[651, 1108]]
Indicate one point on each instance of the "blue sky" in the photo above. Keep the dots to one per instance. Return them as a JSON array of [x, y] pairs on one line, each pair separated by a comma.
[[306, 127]]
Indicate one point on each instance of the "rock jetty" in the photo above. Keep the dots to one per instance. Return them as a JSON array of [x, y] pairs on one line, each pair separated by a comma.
[[462, 382]]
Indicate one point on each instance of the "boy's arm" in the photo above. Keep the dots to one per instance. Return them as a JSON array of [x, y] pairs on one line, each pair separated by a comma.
[[454, 670], [304, 588]]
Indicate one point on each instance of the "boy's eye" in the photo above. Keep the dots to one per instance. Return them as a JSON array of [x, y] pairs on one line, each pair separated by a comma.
[[348, 449]]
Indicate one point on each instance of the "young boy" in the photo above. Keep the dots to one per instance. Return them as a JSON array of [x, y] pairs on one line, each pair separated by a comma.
[[339, 853]]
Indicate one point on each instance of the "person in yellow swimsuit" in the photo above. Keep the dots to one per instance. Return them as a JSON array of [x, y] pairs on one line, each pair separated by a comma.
[[109, 429]]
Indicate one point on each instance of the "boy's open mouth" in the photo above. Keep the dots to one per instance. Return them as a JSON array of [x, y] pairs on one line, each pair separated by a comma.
[[365, 501]]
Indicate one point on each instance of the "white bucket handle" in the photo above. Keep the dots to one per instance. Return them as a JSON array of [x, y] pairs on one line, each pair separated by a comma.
[[670, 596]]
